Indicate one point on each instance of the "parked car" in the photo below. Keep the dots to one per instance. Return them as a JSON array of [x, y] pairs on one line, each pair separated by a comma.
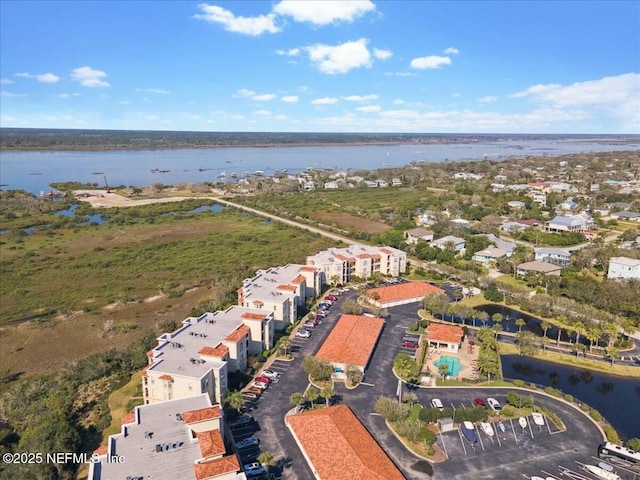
[[310, 324], [260, 385], [250, 395], [437, 403], [255, 390], [242, 421], [494, 404], [270, 374], [266, 380], [247, 443], [410, 344], [344, 289], [254, 469], [324, 306], [302, 333], [478, 402], [331, 298], [321, 313], [318, 318]]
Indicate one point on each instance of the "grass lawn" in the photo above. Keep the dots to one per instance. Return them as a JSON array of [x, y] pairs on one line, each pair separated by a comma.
[[117, 405]]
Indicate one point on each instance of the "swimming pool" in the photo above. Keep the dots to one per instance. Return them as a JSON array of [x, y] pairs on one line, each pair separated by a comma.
[[454, 365]]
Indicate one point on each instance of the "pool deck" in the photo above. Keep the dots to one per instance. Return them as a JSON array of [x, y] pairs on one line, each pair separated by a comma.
[[467, 358]]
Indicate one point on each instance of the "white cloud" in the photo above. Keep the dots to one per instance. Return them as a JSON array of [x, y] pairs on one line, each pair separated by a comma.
[[398, 101], [324, 101], [157, 91], [244, 93], [124, 102], [6, 81], [4, 93], [246, 25], [41, 77], [324, 12], [88, 77], [617, 96], [361, 98], [369, 108], [340, 58], [289, 98], [455, 95], [487, 99], [263, 113], [63, 95], [433, 61], [265, 97], [280, 117], [293, 52], [382, 54], [451, 51]]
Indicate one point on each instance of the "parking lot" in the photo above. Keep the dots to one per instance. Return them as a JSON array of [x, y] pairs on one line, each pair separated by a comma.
[[510, 455]]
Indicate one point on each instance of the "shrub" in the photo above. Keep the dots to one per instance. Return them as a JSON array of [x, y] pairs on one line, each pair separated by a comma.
[[413, 327], [568, 398], [584, 407], [124, 326], [518, 383], [390, 410], [429, 415], [533, 386], [428, 437], [596, 415], [508, 411], [611, 434], [552, 391]]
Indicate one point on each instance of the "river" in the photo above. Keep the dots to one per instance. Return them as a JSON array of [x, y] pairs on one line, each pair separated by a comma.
[[35, 171]]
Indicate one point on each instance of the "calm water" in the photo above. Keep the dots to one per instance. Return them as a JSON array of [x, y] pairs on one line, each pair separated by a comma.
[[616, 398], [35, 171]]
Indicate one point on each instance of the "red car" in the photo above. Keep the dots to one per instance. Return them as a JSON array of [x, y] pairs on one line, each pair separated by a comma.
[[266, 380], [478, 402], [409, 344], [332, 298]]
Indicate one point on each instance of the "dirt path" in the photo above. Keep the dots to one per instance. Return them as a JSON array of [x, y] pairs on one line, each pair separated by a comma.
[[100, 198]]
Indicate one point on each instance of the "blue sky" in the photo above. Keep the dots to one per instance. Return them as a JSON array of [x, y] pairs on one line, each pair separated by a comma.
[[332, 66]]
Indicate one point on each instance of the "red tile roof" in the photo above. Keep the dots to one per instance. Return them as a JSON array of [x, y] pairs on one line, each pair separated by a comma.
[[339, 256], [150, 353], [352, 340], [219, 350], [291, 288], [307, 269], [216, 467], [128, 418], [339, 447], [207, 413], [211, 444], [143, 372], [254, 316], [444, 333], [168, 378], [363, 255], [238, 334], [404, 291], [531, 221], [299, 279], [257, 302], [101, 450], [386, 250]]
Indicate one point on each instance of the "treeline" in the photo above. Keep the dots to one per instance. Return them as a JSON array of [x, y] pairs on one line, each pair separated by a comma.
[[45, 413]]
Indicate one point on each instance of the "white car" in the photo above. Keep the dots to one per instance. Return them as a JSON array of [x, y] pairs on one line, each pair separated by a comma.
[[437, 403], [270, 374], [494, 404], [303, 333], [254, 469], [260, 385]]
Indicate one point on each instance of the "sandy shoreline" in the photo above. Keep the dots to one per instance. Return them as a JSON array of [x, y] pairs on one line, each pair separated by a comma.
[[102, 199]]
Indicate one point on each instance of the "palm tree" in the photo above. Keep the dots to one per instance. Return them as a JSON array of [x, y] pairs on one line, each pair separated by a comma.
[[285, 343], [267, 459], [296, 399], [235, 400], [497, 318], [609, 329], [613, 353], [560, 322], [580, 329], [312, 395], [593, 334], [327, 393], [482, 316], [544, 325], [520, 323], [443, 369]]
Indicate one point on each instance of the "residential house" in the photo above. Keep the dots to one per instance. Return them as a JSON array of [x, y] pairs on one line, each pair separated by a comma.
[[624, 267], [626, 215], [414, 235], [331, 186], [198, 356], [447, 338], [383, 183], [455, 244], [512, 227], [538, 267], [508, 247], [489, 256], [426, 218], [181, 438], [538, 197], [602, 211], [309, 186], [556, 256], [567, 206], [575, 223], [340, 265], [396, 182], [517, 205], [371, 184]]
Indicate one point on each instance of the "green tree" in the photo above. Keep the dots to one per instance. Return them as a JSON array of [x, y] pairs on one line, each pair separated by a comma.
[[351, 307], [443, 369], [613, 353], [234, 400], [267, 459], [296, 399], [312, 395], [285, 343], [327, 393], [634, 444], [354, 374], [390, 409], [527, 343], [544, 325], [520, 322], [406, 367]]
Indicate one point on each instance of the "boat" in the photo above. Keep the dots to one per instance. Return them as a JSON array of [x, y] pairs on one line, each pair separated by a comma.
[[536, 478], [522, 422], [469, 432], [487, 428], [538, 418], [501, 427], [602, 473]]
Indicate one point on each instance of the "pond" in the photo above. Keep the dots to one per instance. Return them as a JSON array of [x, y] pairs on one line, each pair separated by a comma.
[[616, 398]]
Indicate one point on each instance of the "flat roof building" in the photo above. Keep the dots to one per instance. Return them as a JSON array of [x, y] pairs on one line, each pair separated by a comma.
[[624, 267], [197, 357], [351, 341], [337, 446], [538, 267], [176, 439], [340, 265]]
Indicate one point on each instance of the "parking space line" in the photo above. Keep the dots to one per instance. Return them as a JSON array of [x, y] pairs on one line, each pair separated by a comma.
[[479, 437], [515, 436], [444, 447], [530, 429], [368, 384], [462, 442], [495, 429]]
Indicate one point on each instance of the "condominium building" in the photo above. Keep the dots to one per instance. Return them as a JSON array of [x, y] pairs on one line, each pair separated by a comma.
[[624, 267], [198, 356], [340, 265], [181, 438], [281, 291]]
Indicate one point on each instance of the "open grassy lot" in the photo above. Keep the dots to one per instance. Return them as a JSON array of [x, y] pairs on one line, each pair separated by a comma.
[[94, 287], [368, 210]]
